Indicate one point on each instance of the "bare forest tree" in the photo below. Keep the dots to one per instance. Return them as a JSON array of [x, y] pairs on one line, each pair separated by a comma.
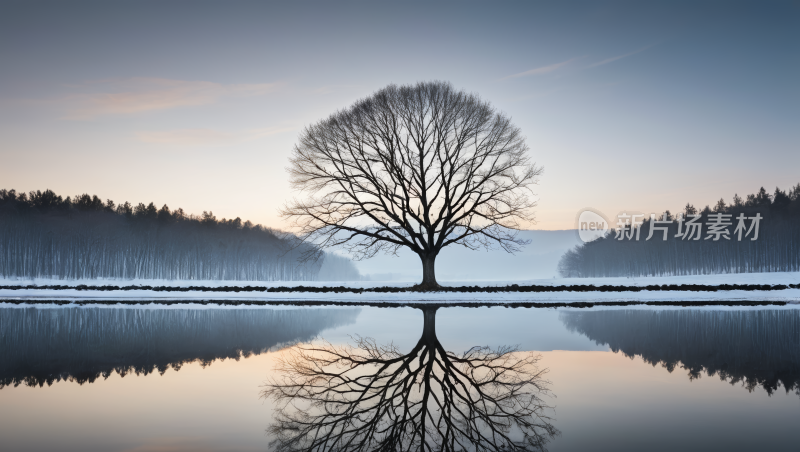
[[374, 397], [43, 235], [422, 167], [776, 250]]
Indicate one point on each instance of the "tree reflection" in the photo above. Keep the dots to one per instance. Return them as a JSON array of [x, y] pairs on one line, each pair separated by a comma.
[[754, 348], [368, 396], [81, 344]]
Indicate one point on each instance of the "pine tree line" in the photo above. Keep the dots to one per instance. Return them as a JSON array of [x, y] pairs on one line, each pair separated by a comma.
[[43, 235], [777, 248]]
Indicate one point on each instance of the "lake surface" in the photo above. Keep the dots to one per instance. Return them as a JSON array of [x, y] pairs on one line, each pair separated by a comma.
[[216, 379]]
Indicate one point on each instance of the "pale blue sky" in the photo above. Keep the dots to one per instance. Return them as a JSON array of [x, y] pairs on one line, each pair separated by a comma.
[[627, 105]]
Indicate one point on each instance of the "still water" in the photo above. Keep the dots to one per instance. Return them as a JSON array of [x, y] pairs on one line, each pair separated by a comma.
[[172, 379]]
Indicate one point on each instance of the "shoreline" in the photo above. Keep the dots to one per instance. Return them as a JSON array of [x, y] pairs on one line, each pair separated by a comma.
[[511, 288], [385, 304]]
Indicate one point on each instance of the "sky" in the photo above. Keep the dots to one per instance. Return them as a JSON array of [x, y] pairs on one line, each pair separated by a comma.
[[627, 105]]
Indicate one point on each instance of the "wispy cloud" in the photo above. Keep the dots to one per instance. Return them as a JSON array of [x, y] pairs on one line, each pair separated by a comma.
[[188, 137], [556, 66], [136, 95], [173, 444], [328, 89], [612, 59], [541, 70], [208, 137]]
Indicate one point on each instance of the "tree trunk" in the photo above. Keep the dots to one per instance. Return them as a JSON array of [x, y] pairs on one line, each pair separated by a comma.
[[428, 273], [429, 326]]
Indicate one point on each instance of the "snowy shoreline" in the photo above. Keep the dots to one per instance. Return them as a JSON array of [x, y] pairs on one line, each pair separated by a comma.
[[323, 304], [726, 278], [786, 296], [638, 293]]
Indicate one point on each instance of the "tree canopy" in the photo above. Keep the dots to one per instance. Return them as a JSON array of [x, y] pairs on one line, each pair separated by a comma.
[[422, 167]]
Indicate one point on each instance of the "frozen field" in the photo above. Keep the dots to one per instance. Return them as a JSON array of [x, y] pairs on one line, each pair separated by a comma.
[[788, 295]]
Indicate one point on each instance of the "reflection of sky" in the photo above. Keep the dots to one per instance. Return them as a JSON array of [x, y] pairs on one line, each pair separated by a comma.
[[197, 104], [604, 401], [460, 328]]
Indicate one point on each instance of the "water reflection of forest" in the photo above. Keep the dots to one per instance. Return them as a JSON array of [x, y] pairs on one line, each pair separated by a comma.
[[752, 348], [40, 346]]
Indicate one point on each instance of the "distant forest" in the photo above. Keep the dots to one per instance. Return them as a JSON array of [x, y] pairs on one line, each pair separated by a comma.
[[43, 235], [777, 248]]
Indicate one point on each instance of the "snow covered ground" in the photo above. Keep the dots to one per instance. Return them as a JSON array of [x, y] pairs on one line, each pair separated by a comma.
[[731, 278], [788, 295]]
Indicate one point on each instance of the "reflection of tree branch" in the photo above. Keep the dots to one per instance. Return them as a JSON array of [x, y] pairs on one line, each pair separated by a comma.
[[373, 397]]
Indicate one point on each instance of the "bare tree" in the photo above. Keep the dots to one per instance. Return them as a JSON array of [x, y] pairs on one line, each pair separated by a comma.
[[373, 397], [423, 167]]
